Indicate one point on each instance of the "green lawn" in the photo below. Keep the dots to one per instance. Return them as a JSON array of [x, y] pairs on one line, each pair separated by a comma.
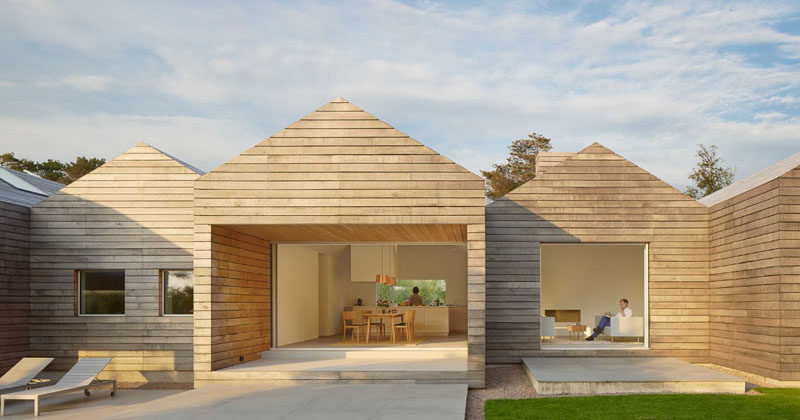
[[776, 403]]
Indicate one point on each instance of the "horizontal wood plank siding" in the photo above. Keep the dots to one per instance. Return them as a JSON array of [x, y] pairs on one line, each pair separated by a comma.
[[790, 275], [14, 284], [590, 197], [745, 281], [342, 166], [240, 297], [135, 214]]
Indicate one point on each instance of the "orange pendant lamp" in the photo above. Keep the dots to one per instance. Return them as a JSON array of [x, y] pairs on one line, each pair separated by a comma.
[[383, 278]]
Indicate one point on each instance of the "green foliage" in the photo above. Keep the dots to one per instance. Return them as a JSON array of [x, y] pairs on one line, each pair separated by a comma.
[[774, 404], [54, 170], [709, 175], [97, 302], [430, 290], [180, 300], [520, 166]]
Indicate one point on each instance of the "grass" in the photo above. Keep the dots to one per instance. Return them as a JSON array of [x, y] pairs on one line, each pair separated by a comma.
[[775, 403]]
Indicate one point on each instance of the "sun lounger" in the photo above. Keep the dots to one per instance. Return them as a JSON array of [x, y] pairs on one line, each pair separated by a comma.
[[81, 376], [22, 373]]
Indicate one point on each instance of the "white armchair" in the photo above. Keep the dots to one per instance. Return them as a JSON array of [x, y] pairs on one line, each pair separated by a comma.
[[548, 326], [623, 327]]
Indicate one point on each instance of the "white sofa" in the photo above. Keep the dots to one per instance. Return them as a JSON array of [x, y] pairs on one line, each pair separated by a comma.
[[623, 327], [548, 326]]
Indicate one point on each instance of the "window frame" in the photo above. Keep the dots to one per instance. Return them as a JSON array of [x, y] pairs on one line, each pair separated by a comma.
[[79, 288], [162, 297]]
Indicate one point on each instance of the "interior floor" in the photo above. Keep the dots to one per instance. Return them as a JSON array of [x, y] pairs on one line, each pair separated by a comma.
[[601, 343], [452, 341]]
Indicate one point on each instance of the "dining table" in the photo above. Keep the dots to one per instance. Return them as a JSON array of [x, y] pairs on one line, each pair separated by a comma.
[[387, 316]]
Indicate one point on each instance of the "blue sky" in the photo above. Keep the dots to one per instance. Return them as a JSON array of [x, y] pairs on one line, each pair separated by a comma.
[[204, 81]]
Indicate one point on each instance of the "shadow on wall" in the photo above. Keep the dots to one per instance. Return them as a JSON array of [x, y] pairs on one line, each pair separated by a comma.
[[513, 301], [71, 233]]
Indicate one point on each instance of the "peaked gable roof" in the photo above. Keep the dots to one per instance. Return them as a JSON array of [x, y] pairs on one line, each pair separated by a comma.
[[340, 126], [137, 160], [569, 165], [748, 183], [25, 189]]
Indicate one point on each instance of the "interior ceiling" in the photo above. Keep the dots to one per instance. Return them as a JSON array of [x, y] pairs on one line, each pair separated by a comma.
[[416, 233]]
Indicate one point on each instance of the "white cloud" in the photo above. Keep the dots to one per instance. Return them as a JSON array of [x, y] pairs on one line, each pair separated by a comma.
[[198, 141], [648, 77], [81, 82], [88, 82]]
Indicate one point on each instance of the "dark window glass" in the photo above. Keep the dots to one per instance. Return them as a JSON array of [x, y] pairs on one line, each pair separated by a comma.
[[102, 292], [178, 292]]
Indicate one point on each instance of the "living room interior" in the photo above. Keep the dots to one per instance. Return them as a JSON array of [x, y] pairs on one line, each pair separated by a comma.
[[582, 283]]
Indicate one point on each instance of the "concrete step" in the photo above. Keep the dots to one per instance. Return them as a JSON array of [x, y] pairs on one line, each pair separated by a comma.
[[625, 375]]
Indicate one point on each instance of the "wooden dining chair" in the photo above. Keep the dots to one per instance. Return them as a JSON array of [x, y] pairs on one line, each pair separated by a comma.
[[378, 324], [349, 322], [407, 325]]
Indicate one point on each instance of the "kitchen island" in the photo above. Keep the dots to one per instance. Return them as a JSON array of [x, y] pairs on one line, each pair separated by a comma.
[[429, 320]]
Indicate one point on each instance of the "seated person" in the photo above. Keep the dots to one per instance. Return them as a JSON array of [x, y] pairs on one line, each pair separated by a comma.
[[624, 312]]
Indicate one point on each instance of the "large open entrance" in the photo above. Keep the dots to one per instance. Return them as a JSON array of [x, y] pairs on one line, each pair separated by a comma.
[[582, 283], [325, 280], [316, 285]]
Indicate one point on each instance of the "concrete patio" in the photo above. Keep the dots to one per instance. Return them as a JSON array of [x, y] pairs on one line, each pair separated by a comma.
[[625, 375], [346, 402]]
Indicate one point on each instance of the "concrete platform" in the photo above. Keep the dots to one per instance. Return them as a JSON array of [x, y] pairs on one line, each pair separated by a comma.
[[625, 375], [317, 364], [330, 402]]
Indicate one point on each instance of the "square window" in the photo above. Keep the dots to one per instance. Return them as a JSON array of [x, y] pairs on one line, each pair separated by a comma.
[[178, 292], [102, 292]]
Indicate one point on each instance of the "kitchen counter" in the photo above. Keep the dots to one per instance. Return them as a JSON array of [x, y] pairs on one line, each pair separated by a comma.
[[429, 320]]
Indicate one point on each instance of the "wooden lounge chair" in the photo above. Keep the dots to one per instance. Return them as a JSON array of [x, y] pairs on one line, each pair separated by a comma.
[[22, 373], [81, 376]]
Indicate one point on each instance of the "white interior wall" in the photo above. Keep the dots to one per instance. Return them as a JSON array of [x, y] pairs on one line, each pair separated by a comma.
[[592, 278], [298, 294], [334, 283], [433, 262]]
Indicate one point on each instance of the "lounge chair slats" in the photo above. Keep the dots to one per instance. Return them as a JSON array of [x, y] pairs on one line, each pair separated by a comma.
[[81, 376], [22, 373]]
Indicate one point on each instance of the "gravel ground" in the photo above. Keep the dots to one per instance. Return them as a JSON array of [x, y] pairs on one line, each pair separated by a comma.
[[502, 381]]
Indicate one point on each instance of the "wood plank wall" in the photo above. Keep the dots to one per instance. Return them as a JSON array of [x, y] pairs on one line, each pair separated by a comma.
[[790, 275], [341, 165], [14, 284], [597, 196], [745, 281], [133, 213], [240, 288]]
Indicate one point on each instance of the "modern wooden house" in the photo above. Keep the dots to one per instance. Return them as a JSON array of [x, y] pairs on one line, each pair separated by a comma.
[[99, 249], [237, 274], [337, 176], [720, 275]]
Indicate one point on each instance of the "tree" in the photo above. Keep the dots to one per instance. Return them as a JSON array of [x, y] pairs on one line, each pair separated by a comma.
[[81, 167], [710, 174], [520, 166], [8, 160], [54, 170]]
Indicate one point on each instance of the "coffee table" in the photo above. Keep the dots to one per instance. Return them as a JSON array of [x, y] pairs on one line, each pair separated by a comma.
[[576, 331]]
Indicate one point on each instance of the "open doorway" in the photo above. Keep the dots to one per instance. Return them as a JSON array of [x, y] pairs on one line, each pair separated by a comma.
[[315, 284], [582, 283]]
